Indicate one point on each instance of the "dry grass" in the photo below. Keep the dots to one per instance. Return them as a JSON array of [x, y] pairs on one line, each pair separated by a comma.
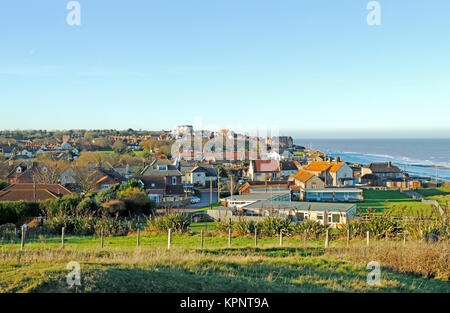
[[244, 269], [431, 260]]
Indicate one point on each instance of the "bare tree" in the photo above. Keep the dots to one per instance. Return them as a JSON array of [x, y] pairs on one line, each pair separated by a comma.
[[83, 178], [49, 172]]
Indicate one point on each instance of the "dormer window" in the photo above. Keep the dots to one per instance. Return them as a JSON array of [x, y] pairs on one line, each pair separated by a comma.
[[162, 167], [174, 180], [19, 170]]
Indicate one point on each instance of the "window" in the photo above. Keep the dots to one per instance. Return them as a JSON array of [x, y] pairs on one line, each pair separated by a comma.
[[105, 186], [334, 218], [162, 167], [300, 216], [174, 180], [153, 185], [320, 216]]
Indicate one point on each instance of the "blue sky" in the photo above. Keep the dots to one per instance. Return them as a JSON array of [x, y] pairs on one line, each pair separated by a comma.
[[312, 68]]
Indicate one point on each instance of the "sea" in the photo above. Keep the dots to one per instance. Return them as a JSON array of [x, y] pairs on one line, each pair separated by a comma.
[[426, 158]]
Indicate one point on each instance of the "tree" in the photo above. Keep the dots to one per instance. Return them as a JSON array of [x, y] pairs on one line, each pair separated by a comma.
[[120, 147], [83, 179], [49, 172]]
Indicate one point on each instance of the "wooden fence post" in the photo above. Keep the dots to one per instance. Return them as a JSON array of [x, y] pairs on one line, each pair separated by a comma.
[[386, 238], [326, 239], [169, 238], [368, 238], [201, 236], [101, 238], [229, 237], [348, 237], [281, 238], [22, 240], [62, 238], [256, 237], [138, 238], [304, 238]]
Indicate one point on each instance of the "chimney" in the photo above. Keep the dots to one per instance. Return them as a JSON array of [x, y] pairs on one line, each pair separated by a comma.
[[338, 159], [389, 164]]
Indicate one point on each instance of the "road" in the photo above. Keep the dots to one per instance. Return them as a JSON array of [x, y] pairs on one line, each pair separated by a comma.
[[204, 199]]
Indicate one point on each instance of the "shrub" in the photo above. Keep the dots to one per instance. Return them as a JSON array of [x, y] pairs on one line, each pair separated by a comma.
[[3, 185], [87, 205], [312, 228], [65, 204], [177, 222], [107, 194], [7, 231], [244, 228], [271, 226], [114, 208]]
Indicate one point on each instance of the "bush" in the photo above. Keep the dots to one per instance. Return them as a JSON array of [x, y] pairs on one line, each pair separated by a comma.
[[8, 231], [14, 212], [177, 222], [114, 208], [244, 228], [107, 195], [312, 228], [3, 185], [87, 205], [271, 226], [66, 204]]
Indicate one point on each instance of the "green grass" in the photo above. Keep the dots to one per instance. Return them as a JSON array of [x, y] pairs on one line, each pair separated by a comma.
[[428, 192], [214, 206], [394, 203]]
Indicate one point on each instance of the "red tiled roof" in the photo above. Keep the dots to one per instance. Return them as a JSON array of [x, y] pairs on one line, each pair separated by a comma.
[[265, 166], [303, 176], [26, 192], [320, 166]]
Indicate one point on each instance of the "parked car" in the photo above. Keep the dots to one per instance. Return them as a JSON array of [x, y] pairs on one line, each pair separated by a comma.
[[201, 217], [195, 199]]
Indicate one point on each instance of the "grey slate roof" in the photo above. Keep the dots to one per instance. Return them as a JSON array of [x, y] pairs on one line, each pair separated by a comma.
[[301, 206], [383, 168]]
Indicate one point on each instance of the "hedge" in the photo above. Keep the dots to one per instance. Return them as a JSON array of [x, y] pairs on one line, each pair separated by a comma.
[[14, 212]]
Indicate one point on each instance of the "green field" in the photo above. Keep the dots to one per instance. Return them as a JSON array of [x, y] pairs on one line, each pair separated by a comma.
[[394, 203]]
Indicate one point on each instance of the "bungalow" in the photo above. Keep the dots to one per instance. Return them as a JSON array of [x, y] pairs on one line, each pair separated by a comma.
[[239, 201], [333, 214], [33, 192], [261, 170]]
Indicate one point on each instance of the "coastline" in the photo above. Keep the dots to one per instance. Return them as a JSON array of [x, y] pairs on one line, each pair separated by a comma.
[[407, 154]]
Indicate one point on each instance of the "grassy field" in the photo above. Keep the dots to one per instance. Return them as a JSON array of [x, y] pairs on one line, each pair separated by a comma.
[[395, 203], [122, 267]]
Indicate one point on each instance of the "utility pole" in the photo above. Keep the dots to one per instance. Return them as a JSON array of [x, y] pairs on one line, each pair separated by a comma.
[[210, 191], [218, 188], [231, 189]]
